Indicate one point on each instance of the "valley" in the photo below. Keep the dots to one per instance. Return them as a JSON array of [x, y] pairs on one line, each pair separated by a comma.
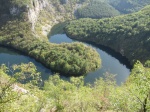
[[74, 56]]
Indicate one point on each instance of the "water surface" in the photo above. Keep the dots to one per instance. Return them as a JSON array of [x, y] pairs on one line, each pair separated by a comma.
[[10, 57], [110, 64]]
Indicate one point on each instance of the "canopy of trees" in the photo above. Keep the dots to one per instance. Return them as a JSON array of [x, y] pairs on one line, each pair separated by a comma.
[[74, 95], [127, 34], [96, 9], [70, 59], [129, 6]]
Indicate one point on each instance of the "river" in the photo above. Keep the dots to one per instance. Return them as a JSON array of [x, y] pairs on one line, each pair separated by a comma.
[[110, 64]]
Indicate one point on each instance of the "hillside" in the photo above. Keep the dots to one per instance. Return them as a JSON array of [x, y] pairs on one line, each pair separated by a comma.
[[109, 8], [59, 95], [128, 6], [96, 9], [21, 23], [128, 34], [24, 25]]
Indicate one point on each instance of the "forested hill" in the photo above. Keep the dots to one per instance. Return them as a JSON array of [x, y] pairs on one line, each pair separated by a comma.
[[128, 34], [128, 6], [109, 8], [96, 9]]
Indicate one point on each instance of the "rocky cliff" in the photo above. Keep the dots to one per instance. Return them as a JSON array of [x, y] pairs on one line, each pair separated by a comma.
[[42, 14], [34, 10], [23, 31]]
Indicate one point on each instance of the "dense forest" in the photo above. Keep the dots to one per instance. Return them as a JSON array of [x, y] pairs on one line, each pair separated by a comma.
[[21, 86], [96, 9], [70, 59], [109, 8], [74, 95], [127, 34], [128, 6]]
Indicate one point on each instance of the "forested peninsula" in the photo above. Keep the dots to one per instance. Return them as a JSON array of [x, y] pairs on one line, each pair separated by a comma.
[[16, 31]]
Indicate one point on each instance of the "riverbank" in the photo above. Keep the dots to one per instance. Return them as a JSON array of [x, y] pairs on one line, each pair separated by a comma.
[[18, 32], [112, 63], [69, 59], [125, 34], [123, 59]]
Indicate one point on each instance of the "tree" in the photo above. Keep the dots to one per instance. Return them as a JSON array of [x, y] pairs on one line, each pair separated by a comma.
[[140, 86], [7, 95], [27, 74]]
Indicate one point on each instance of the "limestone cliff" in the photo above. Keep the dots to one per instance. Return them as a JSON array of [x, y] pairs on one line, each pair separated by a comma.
[[34, 10], [42, 14]]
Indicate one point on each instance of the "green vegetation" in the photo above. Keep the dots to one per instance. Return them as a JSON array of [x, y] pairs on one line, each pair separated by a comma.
[[96, 9], [128, 6], [66, 7], [21, 3], [65, 96], [128, 34], [13, 95], [70, 59], [124, 6]]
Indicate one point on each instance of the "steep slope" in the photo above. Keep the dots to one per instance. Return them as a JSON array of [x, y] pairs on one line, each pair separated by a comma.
[[17, 30], [129, 34], [74, 96]]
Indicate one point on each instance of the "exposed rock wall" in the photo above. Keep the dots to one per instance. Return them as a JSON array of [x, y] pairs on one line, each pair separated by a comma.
[[34, 10], [43, 14]]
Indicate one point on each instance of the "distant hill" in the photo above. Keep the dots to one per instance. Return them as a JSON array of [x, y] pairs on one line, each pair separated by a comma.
[[128, 6], [127, 34], [96, 9], [108, 8]]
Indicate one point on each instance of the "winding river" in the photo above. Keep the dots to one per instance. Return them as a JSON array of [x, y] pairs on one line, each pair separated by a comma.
[[110, 64], [10, 57]]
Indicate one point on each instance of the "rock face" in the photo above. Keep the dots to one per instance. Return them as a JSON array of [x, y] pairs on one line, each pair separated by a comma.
[[16, 88], [33, 12], [51, 13]]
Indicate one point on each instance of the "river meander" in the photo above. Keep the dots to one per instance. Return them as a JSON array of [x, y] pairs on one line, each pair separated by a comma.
[[110, 64]]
